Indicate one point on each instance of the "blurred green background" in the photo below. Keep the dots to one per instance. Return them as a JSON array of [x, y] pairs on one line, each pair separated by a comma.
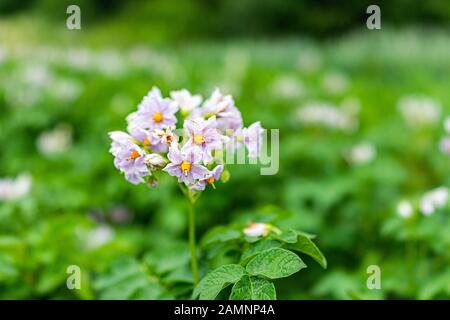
[[360, 115]]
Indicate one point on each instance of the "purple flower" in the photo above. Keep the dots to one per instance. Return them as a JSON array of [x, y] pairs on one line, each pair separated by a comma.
[[228, 116], [155, 93], [210, 178], [204, 137], [119, 138], [185, 100], [253, 138], [154, 112], [185, 165], [166, 136], [129, 157], [147, 138]]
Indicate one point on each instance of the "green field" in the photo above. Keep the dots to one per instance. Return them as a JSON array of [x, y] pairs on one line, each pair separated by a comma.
[[352, 147]]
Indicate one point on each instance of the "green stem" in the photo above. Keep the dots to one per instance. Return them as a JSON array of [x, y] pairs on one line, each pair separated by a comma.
[[192, 244]]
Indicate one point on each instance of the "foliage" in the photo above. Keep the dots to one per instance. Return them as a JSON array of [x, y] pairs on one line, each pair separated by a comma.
[[79, 211]]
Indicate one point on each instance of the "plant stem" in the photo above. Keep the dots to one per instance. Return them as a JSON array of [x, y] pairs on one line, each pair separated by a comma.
[[192, 244]]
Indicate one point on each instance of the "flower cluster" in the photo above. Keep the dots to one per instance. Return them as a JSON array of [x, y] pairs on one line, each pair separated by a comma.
[[193, 155]]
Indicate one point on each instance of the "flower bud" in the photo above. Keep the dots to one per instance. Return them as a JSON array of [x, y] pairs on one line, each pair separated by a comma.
[[225, 177], [155, 161], [152, 182], [257, 229]]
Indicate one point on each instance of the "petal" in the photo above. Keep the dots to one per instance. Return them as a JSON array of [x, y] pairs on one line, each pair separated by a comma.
[[198, 171], [175, 156], [173, 170]]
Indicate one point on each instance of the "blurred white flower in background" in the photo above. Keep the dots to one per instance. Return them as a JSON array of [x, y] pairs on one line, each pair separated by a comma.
[[419, 110], [100, 236], [444, 145], [55, 141], [162, 64], [329, 116], [335, 82], [26, 86], [361, 154], [66, 90], [11, 189], [288, 87], [36, 74], [110, 63], [309, 60], [235, 67], [18, 95], [81, 59], [433, 200], [447, 124], [405, 209], [351, 105]]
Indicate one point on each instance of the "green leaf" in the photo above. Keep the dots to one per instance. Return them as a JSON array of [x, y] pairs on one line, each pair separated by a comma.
[[8, 270], [127, 280], [306, 246], [289, 236], [275, 263], [220, 234], [167, 261], [183, 275], [258, 247], [149, 292], [215, 281], [253, 288]]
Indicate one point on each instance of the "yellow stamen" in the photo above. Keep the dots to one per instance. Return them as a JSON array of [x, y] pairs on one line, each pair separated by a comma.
[[146, 142], [198, 139], [135, 154], [157, 117], [210, 180], [185, 167]]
